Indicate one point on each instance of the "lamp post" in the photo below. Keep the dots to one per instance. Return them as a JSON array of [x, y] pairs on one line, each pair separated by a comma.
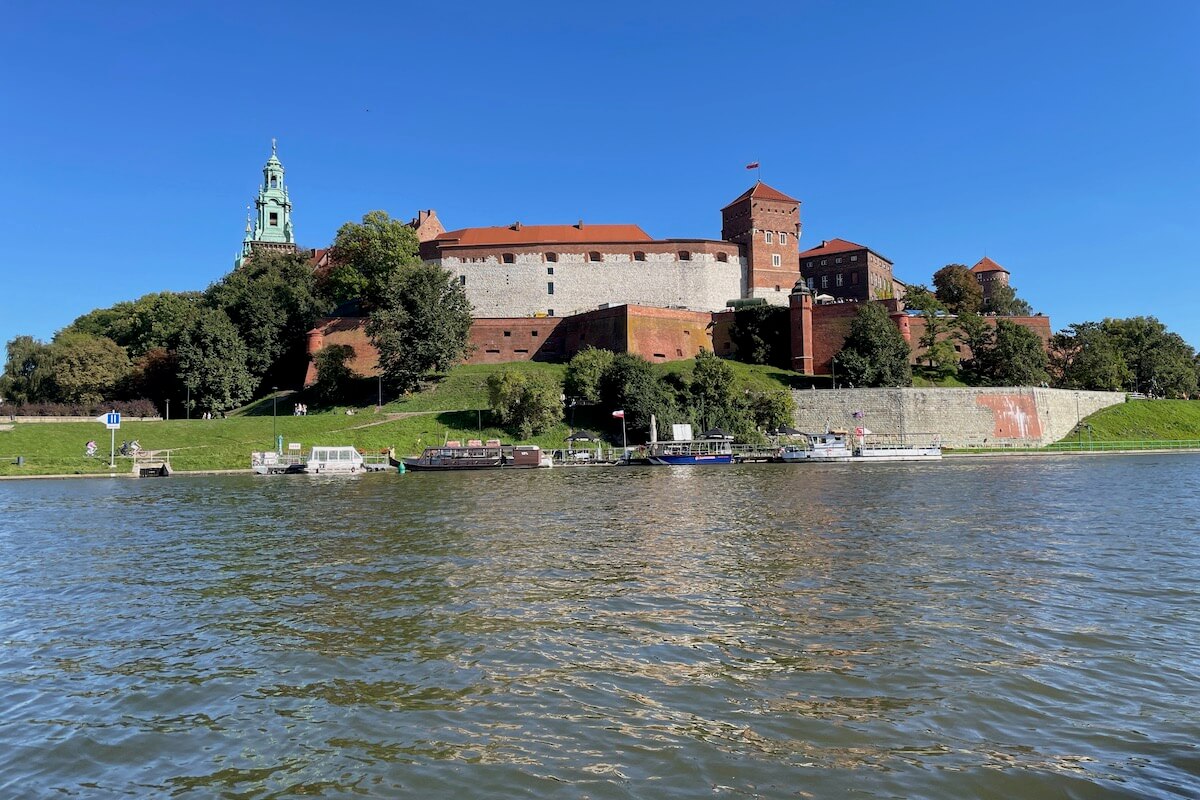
[[833, 373], [274, 402], [379, 399], [188, 404], [168, 409]]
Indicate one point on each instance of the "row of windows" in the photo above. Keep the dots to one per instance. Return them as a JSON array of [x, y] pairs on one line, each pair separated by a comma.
[[839, 280], [770, 235], [595, 256], [838, 260]]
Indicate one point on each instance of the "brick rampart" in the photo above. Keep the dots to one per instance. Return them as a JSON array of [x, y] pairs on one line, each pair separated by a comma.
[[976, 417]]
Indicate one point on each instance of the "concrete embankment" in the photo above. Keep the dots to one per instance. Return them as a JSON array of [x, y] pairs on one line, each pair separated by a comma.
[[969, 417]]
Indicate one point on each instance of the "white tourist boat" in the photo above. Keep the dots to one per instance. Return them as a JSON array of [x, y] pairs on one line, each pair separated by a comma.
[[838, 446], [321, 460]]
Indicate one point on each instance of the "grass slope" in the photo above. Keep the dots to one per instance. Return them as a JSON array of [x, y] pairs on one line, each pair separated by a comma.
[[1145, 420]]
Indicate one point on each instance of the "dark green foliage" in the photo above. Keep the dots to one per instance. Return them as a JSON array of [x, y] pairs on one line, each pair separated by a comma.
[[771, 410], [1087, 356], [1003, 302], [761, 335], [1161, 362], [334, 375], [875, 353], [28, 372], [1014, 357], [713, 400], [152, 321], [272, 301], [958, 289], [584, 373], [212, 362], [366, 255], [87, 369], [630, 384], [528, 403], [918, 298], [420, 325]]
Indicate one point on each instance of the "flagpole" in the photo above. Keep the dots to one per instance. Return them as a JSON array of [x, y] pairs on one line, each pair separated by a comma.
[[624, 441]]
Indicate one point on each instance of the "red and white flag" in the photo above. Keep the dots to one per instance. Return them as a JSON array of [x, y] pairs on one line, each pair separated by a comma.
[[619, 414], [752, 165]]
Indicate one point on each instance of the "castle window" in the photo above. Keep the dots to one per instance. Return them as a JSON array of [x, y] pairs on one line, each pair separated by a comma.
[[274, 219], [594, 256], [508, 333], [533, 333], [638, 255], [550, 287], [775, 260], [550, 313], [722, 257], [549, 270], [777, 287], [839, 279], [824, 261], [854, 258], [462, 280], [685, 255], [810, 283], [854, 278], [768, 236], [274, 185], [508, 258], [552, 257], [824, 281], [810, 263], [837, 260], [782, 237]]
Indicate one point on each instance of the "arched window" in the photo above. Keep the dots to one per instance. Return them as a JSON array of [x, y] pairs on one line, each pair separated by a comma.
[[274, 182]]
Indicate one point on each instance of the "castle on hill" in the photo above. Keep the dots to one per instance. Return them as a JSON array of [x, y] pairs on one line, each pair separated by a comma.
[[544, 292]]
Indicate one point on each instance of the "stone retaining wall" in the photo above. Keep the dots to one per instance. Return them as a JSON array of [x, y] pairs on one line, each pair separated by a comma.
[[972, 417]]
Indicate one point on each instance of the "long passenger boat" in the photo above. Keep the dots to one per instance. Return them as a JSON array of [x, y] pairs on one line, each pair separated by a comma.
[[837, 446], [478, 455], [699, 451]]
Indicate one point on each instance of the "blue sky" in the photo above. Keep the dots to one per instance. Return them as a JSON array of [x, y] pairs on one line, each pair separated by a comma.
[[1058, 138]]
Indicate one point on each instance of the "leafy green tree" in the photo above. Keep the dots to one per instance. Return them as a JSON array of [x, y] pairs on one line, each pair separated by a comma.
[[333, 373], [629, 384], [28, 372], [529, 403], [1086, 356], [420, 325], [958, 289], [152, 321], [918, 298], [772, 409], [713, 397], [875, 353], [1160, 361], [1015, 357], [212, 362], [1003, 302], [584, 373], [155, 376], [87, 369], [272, 301], [375, 250], [761, 335]]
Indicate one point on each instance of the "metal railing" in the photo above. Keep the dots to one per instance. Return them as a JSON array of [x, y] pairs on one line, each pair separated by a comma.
[[1085, 446]]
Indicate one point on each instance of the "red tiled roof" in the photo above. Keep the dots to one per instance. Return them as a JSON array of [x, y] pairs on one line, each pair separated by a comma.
[[831, 246], [540, 234], [760, 191], [987, 265]]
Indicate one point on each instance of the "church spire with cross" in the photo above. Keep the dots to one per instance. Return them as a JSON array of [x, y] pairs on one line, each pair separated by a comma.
[[273, 228]]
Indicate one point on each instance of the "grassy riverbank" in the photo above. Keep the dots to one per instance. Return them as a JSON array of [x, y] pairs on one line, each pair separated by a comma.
[[1144, 420]]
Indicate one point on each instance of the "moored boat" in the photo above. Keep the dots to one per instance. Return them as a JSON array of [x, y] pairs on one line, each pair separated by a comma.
[[698, 451], [479, 455], [837, 446]]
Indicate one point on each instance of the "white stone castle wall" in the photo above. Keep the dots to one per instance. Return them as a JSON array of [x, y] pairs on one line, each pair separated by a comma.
[[956, 415], [496, 289]]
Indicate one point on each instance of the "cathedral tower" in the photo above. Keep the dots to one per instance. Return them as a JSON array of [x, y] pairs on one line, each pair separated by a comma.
[[273, 229]]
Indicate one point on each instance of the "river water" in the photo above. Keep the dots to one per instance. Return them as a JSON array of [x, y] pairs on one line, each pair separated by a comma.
[[975, 628]]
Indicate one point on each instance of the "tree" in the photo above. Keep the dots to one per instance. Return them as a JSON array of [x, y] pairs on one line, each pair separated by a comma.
[[958, 289], [918, 298], [333, 373], [772, 409], [28, 372], [272, 301], [369, 253], [87, 369], [152, 321], [1086, 356], [420, 325], [712, 396], [875, 353], [529, 403], [1160, 361], [212, 362], [584, 373], [629, 384], [1002, 301], [1015, 357], [760, 334]]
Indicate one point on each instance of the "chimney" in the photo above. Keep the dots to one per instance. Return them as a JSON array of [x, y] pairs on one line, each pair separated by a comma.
[[516, 226], [579, 224]]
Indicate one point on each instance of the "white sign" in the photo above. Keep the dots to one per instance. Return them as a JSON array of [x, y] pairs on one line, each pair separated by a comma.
[[293, 446]]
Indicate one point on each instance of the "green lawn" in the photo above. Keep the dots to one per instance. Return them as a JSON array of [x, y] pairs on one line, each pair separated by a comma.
[[754, 377], [1145, 420], [465, 387]]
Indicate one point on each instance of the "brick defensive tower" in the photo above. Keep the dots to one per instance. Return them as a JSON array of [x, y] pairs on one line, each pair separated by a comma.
[[765, 223]]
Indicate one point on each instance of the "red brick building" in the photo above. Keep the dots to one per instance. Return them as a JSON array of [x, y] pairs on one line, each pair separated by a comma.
[[848, 271]]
